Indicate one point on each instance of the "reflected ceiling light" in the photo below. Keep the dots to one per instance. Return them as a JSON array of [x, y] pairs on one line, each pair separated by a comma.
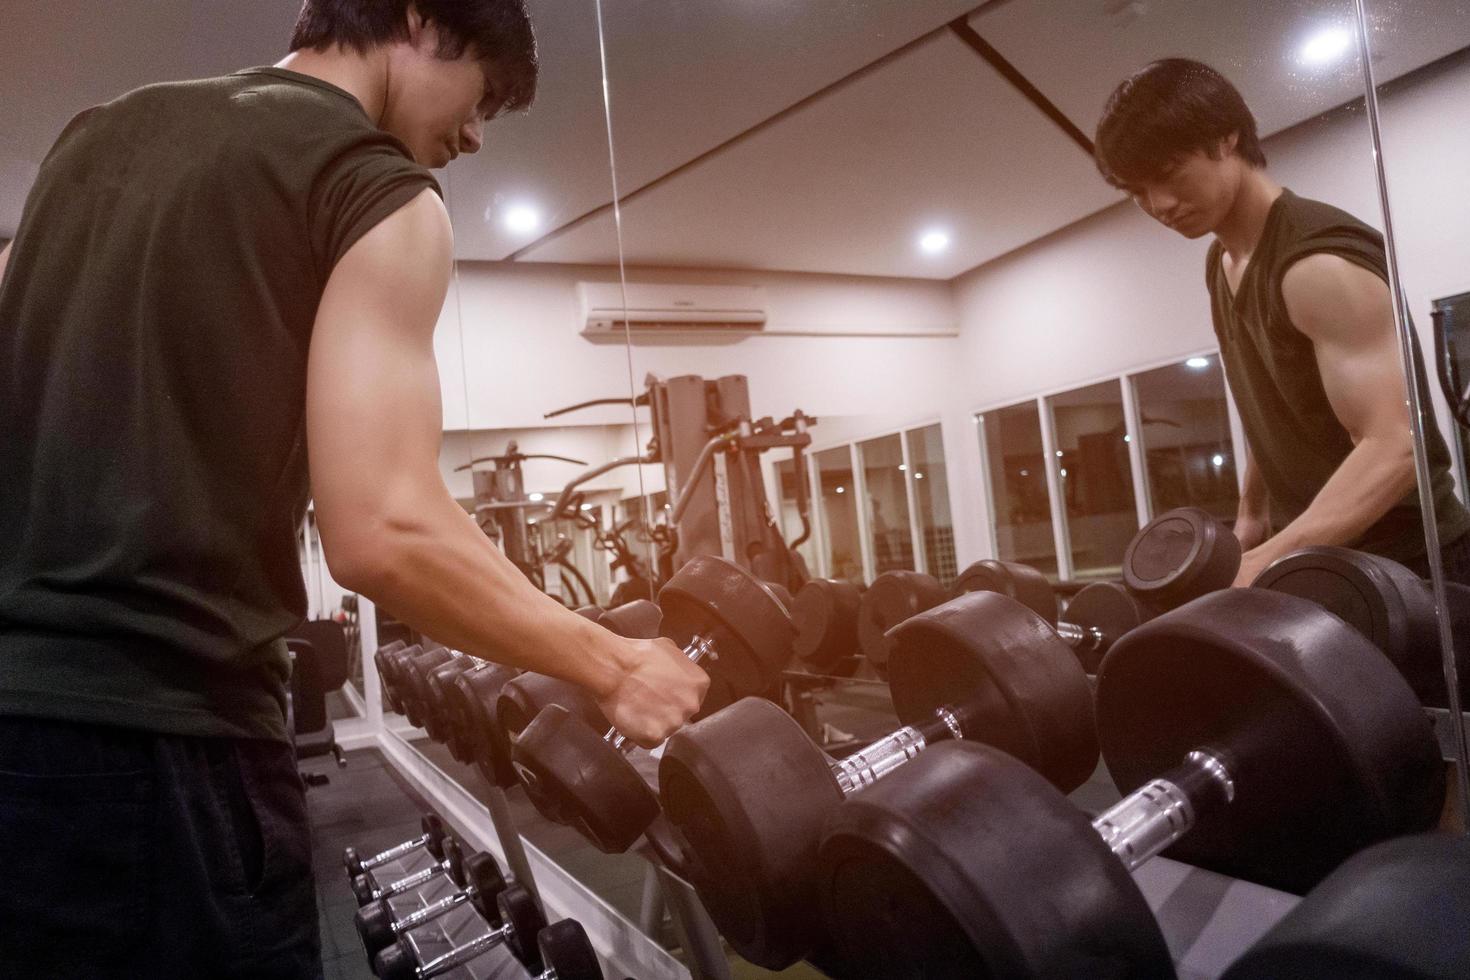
[[1064, 471], [1025, 472], [1198, 363], [522, 219], [840, 489], [1217, 459], [918, 476], [1127, 438], [1325, 47], [933, 242], [532, 522], [1059, 452], [903, 467], [535, 498], [586, 506]]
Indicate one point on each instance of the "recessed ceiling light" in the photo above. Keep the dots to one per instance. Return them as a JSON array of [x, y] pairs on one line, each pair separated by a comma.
[[535, 498], [1198, 363], [1218, 460], [841, 489], [522, 219], [1325, 47], [586, 506], [934, 242]]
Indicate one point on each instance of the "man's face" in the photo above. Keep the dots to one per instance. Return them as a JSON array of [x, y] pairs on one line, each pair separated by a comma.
[[1192, 194], [439, 107]]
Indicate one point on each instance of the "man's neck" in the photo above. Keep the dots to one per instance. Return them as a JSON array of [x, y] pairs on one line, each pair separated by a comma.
[[364, 77], [1241, 230]]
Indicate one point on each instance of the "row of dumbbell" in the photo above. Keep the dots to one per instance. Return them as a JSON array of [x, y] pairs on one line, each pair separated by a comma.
[[512, 915]]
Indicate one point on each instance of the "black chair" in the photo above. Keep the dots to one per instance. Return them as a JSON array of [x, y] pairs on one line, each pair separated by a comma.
[[311, 728]]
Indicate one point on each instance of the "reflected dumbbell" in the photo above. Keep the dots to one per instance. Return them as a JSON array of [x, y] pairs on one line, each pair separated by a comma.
[[366, 890], [378, 926], [892, 598], [1178, 556], [725, 618], [472, 699], [747, 790], [432, 840], [1276, 767], [825, 617]]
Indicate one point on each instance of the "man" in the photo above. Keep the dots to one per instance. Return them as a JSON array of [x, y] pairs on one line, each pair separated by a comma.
[[213, 282], [1302, 311]]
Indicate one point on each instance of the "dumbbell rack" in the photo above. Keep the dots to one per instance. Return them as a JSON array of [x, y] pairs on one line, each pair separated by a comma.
[[1208, 919], [442, 934]]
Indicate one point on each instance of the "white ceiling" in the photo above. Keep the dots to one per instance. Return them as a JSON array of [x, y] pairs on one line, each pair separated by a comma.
[[844, 183]]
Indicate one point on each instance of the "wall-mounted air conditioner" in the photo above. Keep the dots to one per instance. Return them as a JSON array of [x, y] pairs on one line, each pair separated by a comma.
[[671, 314]]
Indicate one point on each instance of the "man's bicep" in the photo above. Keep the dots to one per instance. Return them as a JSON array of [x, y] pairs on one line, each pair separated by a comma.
[[372, 400], [1347, 313]]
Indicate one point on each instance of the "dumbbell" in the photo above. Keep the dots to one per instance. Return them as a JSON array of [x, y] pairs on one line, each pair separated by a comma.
[[1396, 911], [366, 890], [1178, 556], [515, 921], [472, 698], [432, 840], [892, 598], [483, 881], [400, 681], [418, 700], [713, 608], [825, 617], [747, 790], [1293, 744], [521, 700], [437, 714], [382, 657], [1383, 600]]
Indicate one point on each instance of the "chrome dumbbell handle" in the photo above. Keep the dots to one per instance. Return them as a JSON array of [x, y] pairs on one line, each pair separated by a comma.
[[394, 853], [463, 954], [872, 762], [1157, 814], [1083, 638], [411, 882], [699, 648]]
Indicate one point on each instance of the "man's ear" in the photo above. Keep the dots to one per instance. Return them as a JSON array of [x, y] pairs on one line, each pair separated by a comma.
[[415, 23], [1227, 145]]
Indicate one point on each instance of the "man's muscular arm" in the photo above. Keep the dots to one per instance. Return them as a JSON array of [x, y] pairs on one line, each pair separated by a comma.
[[390, 528], [1347, 313], [4, 258], [1253, 515]]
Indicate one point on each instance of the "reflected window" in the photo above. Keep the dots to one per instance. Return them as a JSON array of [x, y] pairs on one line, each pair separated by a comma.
[[930, 484], [1015, 463], [886, 498], [1095, 476], [1184, 428], [837, 506], [789, 516]]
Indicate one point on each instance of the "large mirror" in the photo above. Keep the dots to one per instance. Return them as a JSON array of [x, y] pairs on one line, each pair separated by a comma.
[[1420, 67]]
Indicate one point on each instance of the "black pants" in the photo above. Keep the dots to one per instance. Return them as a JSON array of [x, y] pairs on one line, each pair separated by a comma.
[[132, 854]]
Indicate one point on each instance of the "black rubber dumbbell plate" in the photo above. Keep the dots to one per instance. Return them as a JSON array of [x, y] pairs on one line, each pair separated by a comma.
[[1328, 748], [825, 615], [748, 791], [1180, 555], [639, 619], [1008, 676], [750, 627], [566, 950], [517, 908], [575, 777], [476, 693], [965, 863], [1021, 582], [1108, 608], [892, 598]]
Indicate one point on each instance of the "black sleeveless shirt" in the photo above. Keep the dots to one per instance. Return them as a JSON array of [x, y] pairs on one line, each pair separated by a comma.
[[1295, 439], [155, 318]]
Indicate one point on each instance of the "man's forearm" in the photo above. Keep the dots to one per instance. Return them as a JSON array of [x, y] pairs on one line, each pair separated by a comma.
[[438, 572], [1371, 479]]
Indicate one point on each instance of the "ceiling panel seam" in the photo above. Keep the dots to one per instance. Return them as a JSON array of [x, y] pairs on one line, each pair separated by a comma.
[[741, 136]]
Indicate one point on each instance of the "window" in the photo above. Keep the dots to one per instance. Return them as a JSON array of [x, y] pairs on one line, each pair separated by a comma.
[[929, 482], [1452, 326], [1095, 476], [837, 508], [1184, 428], [1020, 504], [890, 534]]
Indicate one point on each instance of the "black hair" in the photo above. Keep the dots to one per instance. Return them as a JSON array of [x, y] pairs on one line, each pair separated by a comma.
[[1165, 111], [497, 30]]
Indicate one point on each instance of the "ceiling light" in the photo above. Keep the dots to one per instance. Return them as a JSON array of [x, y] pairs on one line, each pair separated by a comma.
[[1217, 459], [1325, 47], [840, 489], [1064, 471], [586, 506], [934, 242], [918, 476], [522, 219], [902, 467], [1198, 363], [535, 498], [1059, 452], [1025, 472], [1127, 438]]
